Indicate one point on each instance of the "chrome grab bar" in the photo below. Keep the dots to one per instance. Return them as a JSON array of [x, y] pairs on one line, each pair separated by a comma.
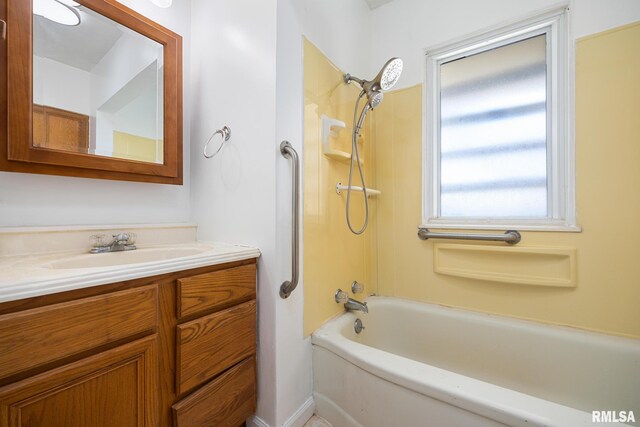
[[511, 237], [288, 286]]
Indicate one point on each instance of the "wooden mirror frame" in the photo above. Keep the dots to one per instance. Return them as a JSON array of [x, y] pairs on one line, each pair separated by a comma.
[[17, 153]]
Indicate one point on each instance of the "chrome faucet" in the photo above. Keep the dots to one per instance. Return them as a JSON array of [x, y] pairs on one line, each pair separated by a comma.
[[355, 305], [350, 304], [120, 242]]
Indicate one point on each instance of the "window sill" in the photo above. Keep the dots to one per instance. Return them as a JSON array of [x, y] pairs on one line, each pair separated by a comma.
[[559, 227]]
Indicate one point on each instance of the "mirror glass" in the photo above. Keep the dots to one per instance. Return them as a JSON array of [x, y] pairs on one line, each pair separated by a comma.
[[97, 85]]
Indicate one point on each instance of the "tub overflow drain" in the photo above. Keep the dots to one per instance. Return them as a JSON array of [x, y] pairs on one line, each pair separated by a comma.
[[358, 326]]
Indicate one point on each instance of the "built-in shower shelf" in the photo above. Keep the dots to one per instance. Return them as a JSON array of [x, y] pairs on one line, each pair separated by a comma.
[[534, 265], [330, 129], [338, 155], [370, 191]]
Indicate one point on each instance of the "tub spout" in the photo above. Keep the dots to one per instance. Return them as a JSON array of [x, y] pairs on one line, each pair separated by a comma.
[[350, 304], [355, 305]]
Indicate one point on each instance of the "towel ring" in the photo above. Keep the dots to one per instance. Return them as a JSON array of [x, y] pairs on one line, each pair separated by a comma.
[[225, 134]]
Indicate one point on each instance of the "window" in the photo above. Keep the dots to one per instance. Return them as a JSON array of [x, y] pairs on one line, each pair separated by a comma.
[[497, 142]]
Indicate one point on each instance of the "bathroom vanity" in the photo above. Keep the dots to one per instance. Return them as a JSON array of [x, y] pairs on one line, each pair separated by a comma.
[[177, 348]]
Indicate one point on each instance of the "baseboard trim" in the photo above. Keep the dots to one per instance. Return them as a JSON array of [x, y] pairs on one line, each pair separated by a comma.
[[256, 422], [298, 419], [302, 415]]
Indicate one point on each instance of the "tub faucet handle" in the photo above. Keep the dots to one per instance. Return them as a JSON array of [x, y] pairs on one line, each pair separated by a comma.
[[357, 287], [341, 296]]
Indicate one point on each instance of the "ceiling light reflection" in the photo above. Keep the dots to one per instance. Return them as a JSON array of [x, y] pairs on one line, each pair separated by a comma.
[[56, 11]]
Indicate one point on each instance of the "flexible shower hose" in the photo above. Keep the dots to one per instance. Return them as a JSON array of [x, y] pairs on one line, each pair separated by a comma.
[[354, 150]]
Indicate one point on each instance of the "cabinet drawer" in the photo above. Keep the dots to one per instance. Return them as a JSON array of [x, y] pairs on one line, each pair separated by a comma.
[[226, 401], [218, 289], [212, 344], [42, 335]]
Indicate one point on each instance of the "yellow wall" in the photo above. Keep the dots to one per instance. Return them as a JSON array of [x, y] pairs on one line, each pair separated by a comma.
[[133, 147], [607, 292], [333, 257]]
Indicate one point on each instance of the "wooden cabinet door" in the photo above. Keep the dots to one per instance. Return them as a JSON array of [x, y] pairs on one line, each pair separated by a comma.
[[59, 129], [116, 388]]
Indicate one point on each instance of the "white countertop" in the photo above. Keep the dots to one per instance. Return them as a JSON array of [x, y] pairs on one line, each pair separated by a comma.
[[26, 276]]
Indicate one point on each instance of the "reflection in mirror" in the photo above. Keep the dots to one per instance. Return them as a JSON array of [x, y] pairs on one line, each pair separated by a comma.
[[97, 87]]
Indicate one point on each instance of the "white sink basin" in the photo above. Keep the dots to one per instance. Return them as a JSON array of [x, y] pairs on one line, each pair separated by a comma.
[[126, 257]]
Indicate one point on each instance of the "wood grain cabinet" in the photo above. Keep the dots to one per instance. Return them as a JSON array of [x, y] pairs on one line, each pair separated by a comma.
[[58, 129], [172, 350]]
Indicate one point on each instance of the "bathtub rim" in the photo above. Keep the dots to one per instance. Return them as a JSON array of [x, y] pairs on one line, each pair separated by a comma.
[[489, 400]]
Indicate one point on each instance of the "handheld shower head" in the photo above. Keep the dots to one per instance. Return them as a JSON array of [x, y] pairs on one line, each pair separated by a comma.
[[375, 99], [385, 80], [372, 102]]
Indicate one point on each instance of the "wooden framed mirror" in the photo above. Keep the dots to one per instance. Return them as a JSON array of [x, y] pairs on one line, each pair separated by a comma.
[[92, 89]]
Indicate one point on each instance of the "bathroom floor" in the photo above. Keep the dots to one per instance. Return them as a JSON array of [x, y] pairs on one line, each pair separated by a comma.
[[317, 421]]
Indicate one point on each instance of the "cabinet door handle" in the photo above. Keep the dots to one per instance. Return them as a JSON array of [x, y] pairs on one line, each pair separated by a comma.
[[4, 29]]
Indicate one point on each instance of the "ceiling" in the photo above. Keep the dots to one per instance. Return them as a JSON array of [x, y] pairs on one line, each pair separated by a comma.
[[81, 46], [376, 3]]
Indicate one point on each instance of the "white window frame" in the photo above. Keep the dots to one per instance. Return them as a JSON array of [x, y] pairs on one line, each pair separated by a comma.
[[560, 123]]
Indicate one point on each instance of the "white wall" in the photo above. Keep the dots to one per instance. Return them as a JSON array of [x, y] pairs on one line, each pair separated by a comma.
[[140, 117], [136, 108], [32, 200], [341, 30], [59, 85], [243, 195], [594, 16], [294, 381], [128, 57], [233, 195], [131, 62], [405, 28]]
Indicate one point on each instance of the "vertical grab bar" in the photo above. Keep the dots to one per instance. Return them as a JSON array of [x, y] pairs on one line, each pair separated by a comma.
[[288, 286]]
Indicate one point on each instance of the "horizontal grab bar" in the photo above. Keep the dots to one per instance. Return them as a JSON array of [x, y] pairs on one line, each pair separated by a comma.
[[370, 191], [511, 237]]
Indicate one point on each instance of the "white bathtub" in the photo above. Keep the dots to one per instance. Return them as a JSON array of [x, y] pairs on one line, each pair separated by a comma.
[[420, 364]]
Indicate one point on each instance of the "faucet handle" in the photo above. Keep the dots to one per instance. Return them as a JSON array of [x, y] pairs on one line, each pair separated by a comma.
[[357, 287], [341, 296], [98, 240], [125, 238], [120, 237]]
